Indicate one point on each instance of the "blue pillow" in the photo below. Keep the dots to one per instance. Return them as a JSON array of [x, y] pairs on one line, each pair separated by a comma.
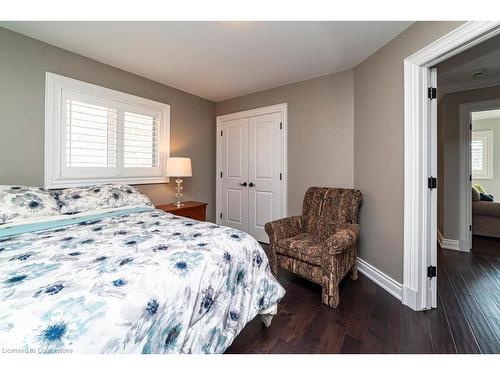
[[19, 203], [486, 197]]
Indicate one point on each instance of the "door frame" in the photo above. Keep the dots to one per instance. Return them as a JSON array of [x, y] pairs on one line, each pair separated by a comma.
[[420, 227], [465, 194], [283, 108]]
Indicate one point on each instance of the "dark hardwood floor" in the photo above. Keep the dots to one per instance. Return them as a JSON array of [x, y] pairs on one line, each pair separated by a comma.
[[370, 320]]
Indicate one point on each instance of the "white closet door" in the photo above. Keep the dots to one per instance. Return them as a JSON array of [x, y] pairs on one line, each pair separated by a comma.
[[264, 168], [235, 174]]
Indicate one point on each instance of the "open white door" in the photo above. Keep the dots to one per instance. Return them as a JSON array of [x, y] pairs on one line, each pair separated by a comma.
[[465, 196], [432, 208]]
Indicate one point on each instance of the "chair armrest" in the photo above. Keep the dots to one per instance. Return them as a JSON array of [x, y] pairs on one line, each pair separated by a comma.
[[284, 228], [342, 239], [279, 229]]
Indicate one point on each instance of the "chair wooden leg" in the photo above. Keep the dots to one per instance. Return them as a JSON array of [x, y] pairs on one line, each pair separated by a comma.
[[354, 272], [332, 298], [330, 293]]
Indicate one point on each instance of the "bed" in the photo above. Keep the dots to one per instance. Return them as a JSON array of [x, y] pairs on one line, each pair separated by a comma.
[[127, 278]]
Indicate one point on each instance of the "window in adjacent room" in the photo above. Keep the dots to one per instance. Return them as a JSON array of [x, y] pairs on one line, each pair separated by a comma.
[[482, 154], [98, 135]]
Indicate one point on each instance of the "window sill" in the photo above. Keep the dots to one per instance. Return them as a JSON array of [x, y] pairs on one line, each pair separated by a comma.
[[74, 182]]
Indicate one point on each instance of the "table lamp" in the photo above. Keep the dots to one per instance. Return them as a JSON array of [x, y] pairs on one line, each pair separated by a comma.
[[178, 167]]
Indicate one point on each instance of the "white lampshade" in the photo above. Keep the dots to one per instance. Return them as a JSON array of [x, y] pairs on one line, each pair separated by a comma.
[[179, 167]]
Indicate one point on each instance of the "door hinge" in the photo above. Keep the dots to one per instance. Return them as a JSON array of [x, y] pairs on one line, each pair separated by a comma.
[[470, 177], [281, 176], [221, 175], [431, 271], [470, 126], [432, 182], [281, 125], [432, 93], [221, 133], [470, 228], [220, 215]]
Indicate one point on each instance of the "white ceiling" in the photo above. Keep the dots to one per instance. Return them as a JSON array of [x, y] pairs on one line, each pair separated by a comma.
[[456, 73], [220, 60]]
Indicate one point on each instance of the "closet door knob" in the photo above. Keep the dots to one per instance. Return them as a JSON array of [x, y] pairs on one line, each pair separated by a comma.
[[251, 184], [243, 184]]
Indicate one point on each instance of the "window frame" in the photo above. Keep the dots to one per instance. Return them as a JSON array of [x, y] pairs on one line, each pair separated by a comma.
[[57, 175], [487, 173]]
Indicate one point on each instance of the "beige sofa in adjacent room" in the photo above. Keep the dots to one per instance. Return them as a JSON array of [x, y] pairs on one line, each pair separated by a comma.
[[486, 218]]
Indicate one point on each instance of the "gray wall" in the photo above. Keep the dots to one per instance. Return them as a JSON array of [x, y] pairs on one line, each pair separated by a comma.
[[320, 131], [492, 186], [344, 129], [23, 63], [378, 144], [449, 156]]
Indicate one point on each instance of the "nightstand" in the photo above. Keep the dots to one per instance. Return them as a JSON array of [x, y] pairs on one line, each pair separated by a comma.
[[191, 209]]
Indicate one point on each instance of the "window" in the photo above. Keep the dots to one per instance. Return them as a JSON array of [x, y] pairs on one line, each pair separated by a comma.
[[482, 154], [97, 135]]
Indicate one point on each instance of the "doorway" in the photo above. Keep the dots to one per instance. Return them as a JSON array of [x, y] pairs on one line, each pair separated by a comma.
[[479, 171], [420, 164]]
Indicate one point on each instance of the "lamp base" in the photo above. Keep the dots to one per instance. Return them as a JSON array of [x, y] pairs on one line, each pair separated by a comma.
[[178, 192]]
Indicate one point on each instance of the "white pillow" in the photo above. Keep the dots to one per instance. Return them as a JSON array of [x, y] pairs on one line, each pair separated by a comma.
[[73, 200], [21, 202]]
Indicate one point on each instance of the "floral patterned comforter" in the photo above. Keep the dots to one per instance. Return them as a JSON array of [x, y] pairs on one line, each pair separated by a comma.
[[134, 282]]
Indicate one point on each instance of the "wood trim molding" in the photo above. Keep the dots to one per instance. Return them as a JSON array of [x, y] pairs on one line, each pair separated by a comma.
[[420, 157], [254, 112], [462, 38], [447, 243], [54, 129], [381, 279]]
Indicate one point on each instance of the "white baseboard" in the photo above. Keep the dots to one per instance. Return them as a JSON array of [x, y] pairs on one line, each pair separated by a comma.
[[447, 243], [410, 298], [380, 278]]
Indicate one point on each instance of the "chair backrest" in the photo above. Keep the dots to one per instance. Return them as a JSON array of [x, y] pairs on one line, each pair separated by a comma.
[[326, 209]]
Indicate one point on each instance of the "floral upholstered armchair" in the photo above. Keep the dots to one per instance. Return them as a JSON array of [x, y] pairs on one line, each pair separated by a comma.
[[321, 244]]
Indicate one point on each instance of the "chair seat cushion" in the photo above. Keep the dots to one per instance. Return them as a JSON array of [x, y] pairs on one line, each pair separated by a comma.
[[304, 247]]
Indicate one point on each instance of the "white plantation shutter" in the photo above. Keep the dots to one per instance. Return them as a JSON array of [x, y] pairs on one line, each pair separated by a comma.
[[477, 155], [482, 154], [140, 140], [107, 138], [98, 135], [90, 135]]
